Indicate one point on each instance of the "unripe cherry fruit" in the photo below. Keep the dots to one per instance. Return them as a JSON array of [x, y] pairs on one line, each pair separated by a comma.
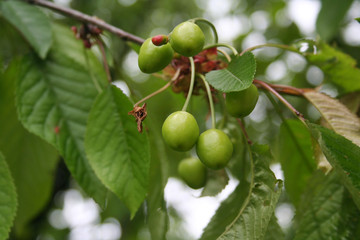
[[214, 148], [180, 131], [187, 38], [193, 172], [154, 58], [242, 103]]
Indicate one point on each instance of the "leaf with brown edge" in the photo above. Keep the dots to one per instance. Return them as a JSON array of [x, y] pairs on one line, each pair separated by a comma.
[[337, 115]]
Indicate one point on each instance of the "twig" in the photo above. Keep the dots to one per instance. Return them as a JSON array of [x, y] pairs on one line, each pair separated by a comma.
[[244, 131], [283, 100], [106, 65], [284, 88], [88, 19], [153, 94]]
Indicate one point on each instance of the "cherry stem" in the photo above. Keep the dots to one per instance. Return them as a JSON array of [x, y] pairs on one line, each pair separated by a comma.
[[192, 81], [283, 100], [106, 65], [176, 75], [228, 58], [216, 38], [281, 46], [88, 19], [153, 94], [211, 102], [242, 126], [235, 52]]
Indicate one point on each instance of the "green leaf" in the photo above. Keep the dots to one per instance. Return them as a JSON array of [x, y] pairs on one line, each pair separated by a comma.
[[236, 77], [232, 128], [274, 231], [313, 188], [343, 155], [13, 44], [327, 26], [357, 19], [8, 199], [54, 98], [157, 216], [118, 153], [351, 101], [134, 46], [295, 153], [337, 115], [34, 166], [160, 166], [31, 22], [339, 68], [330, 212], [246, 213], [216, 181]]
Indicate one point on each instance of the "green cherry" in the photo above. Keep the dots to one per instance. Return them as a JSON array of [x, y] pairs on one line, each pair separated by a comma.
[[193, 172], [154, 58], [180, 131], [187, 38], [242, 103], [214, 148]]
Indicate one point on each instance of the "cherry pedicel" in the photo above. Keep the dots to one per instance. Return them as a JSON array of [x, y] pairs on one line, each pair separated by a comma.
[[206, 61]]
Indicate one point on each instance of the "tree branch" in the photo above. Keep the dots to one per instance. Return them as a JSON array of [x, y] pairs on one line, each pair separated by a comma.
[[283, 100], [240, 121], [88, 19], [284, 88]]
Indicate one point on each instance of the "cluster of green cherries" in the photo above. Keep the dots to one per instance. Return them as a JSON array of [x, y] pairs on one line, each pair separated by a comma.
[[156, 53], [180, 130]]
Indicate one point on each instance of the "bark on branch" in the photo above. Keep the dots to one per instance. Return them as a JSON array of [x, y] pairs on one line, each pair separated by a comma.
[[88, 19]]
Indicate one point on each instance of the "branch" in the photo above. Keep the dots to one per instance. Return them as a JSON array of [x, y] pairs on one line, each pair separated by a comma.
[[103, 54], [88, 19], [240, 121], [283, 100], [284, 89]]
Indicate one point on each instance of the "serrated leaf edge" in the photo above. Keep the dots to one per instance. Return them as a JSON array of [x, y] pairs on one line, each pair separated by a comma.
[[348, 126], [42, 53], [13, 186], [278, 183], [226, 70]]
